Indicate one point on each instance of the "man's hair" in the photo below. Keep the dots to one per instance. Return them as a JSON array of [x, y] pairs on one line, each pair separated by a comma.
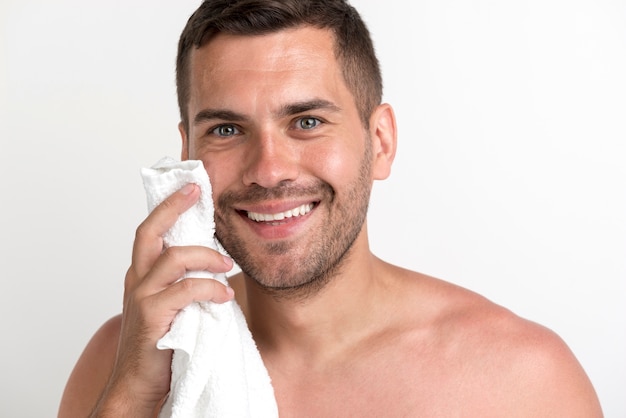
[[353, 45]]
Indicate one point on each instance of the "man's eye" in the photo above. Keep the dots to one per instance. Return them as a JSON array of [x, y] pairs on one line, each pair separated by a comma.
[[225, 130], [308, 123]]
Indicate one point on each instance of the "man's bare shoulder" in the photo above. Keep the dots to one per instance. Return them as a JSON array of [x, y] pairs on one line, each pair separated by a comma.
[[92, 370], [490, 355]]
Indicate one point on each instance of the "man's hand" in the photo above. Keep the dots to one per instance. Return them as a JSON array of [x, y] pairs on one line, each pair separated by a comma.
[[153, 296]]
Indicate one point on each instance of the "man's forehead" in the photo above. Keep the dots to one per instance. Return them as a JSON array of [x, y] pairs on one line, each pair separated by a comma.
[[284, 66], [289, 48], [260, 76]]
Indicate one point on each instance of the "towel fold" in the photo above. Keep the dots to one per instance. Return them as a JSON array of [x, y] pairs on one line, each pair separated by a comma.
[[217, 370]]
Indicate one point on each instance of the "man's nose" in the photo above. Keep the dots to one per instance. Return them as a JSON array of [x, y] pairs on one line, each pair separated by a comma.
[[271, 159]]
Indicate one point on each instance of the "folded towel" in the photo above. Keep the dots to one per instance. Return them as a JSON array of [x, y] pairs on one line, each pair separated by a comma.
[[217, 370]]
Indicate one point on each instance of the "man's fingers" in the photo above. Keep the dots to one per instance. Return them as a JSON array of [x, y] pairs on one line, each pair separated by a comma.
[[148, 237], [187, 291], [175, 262], [163, 306]]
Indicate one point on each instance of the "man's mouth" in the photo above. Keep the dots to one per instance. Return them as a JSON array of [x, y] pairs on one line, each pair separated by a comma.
[[291, 213]]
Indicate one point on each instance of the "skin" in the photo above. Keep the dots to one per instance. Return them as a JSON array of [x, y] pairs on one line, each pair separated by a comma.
[[272, 164], [364, 338]]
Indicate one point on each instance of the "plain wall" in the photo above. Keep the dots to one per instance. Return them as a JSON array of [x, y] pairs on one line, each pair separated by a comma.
[[509, 179]]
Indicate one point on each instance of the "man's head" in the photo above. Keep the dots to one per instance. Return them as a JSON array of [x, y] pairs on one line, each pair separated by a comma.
[[353, 46], [289, 138]]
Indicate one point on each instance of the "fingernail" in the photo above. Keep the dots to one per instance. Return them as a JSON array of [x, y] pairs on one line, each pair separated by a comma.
[[230, 292], [228, 261], [188, 188]]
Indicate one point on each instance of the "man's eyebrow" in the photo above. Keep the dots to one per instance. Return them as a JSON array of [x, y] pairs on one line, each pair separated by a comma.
[[221, 114], [286, 110], [306, 106]]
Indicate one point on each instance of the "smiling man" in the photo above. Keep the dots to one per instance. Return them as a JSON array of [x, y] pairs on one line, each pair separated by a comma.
[[282, 103], [290, 161]]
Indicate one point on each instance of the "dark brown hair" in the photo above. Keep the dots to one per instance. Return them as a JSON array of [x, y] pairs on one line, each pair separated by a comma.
[[353, 45]]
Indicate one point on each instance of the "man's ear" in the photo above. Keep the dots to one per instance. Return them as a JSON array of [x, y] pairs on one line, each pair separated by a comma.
[[184, 151], [383, 133]]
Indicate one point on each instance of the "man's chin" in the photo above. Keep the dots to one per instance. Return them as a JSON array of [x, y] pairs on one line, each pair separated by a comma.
[[291, 290], [290, 283]]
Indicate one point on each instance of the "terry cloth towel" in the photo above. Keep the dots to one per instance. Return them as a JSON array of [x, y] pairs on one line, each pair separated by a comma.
[[217, 370]]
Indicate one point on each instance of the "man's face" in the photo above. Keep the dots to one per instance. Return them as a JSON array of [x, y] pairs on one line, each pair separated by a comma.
[[289, 160]]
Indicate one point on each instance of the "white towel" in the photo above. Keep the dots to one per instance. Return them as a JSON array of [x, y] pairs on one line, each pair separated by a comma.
[[217, 370]]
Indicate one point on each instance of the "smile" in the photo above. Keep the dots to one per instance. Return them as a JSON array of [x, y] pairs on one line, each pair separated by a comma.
[[292, 213]]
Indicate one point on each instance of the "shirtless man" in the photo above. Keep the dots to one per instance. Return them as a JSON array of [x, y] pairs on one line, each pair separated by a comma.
[[284, 109]]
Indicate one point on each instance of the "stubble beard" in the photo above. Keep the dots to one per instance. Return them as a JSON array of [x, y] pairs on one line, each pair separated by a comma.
[[286, 270]]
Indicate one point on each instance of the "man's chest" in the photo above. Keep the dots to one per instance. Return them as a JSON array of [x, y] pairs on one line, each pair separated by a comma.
[[375, 391]]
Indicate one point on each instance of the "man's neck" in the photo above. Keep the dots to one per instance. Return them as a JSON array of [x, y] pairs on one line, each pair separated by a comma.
[[325, 324]]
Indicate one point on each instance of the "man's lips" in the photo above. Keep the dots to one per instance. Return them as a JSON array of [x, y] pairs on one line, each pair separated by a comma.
[[279, 216]]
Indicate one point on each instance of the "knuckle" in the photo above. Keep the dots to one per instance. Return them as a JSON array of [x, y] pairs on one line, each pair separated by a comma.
[[187, 286], [199, 289], [168, 203], [144, 306], [142, 230], [130, 279], [172, 255]]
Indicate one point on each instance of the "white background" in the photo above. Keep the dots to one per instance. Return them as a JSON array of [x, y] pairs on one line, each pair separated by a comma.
[[509, 180]]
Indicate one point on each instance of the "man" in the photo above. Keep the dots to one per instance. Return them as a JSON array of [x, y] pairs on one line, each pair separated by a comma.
[[282, 103]]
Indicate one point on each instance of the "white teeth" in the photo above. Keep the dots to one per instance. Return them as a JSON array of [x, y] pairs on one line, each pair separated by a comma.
[[268, 217]]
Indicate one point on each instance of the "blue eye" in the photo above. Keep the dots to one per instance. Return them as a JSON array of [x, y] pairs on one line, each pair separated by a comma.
[[225, 130], [308, 123]]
